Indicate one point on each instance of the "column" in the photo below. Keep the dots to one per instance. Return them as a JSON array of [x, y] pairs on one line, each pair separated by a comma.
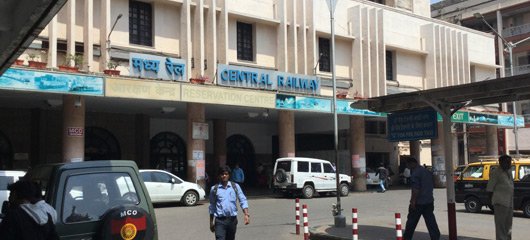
[[438, 158], [105, 21], [195, 114], [219, 146], [142, 141], [282, 54], [222, 38], [52, 38], [73, 128], [70, 29], [88, 38], [286, 133], [211, 40], [492, 145], [198, 39], [415, 149], [185, 35], [358, 153]]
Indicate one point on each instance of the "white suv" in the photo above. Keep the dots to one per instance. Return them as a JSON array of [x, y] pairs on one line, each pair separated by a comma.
[[307, 175]]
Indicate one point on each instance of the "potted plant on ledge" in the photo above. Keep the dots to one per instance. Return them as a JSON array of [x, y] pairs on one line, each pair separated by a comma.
[[341, 94], [112, 69], [199, 80], [19, 62], [77, 59], [34, 63]]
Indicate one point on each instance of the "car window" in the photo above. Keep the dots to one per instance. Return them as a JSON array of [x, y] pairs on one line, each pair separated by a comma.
[[303, 166], [316, 167], [89, 196], [493, 167], [146, 176], [285, 165], [161, 177], [328, 168], [474, 172], [6, 180], [524, 173]]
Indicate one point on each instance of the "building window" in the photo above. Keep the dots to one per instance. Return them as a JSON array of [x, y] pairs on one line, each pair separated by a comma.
[[375, 127], [390, 65], [245, 50], [140, 23], [324, 53]]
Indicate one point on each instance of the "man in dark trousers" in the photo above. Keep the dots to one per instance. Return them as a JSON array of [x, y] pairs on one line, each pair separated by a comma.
[[421, 201], [500, 187], [223, 206]]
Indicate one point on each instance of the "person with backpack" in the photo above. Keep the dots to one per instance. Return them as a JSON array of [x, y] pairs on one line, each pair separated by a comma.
[[28, 216], [383, 175], [223, 206]]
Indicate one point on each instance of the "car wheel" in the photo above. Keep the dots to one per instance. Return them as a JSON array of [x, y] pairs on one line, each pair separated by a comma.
[[344, 189], [473, 205], [526, 209], [127, 222], [308, 191], [190, 198], [280, 176]]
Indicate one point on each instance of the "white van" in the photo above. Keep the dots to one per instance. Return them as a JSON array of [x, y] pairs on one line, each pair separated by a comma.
[[308, 175], [6, 178]]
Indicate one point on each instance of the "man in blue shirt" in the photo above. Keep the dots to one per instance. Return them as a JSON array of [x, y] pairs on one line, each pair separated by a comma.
[[223, 206], [421, 201], [238, 175]]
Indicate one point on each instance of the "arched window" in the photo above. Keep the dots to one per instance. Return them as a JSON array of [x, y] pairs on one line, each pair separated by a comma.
[[6, 153], [168, 152], [239, 149], [100, 144]]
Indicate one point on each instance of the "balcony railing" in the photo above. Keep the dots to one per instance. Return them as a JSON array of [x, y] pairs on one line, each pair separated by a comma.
[[517, 30], [518, 70]]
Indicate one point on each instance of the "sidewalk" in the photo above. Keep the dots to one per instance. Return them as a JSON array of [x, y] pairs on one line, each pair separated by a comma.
[[329, 232]]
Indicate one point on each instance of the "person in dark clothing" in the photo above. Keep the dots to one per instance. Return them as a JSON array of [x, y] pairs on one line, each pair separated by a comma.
[[383, 175], [421, 201], [28, 216]]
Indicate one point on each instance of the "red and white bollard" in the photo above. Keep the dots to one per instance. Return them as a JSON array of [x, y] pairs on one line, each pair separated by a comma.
[[297, 211], [355, 230], [306, 224], [399, 233]]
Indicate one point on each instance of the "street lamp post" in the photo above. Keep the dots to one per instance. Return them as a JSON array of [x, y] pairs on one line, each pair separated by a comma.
[[108, 38], [509, 45], [340, 220]]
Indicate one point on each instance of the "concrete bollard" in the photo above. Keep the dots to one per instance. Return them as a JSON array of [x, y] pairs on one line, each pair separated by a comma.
[[306, 224], [399, 233], [355, 230]]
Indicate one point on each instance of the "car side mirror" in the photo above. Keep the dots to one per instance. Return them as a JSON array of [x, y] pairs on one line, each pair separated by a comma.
[[172, 181]]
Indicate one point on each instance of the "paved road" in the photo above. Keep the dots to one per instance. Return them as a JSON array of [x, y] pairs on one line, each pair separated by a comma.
[[273, 218]]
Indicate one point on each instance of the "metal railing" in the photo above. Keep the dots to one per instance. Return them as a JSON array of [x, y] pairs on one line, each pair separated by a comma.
[[517, 30]]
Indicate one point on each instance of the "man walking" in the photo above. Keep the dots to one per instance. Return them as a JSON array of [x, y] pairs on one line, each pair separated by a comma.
[[238, 175], [223, 206], [500, 188], [383, 175], [421, 201]]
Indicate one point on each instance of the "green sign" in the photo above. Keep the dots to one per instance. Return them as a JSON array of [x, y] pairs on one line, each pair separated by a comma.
[[505, 120]]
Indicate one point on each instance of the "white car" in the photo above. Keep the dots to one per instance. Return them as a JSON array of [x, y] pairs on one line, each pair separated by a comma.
[[6, 178], [166, 187], [308, 175]]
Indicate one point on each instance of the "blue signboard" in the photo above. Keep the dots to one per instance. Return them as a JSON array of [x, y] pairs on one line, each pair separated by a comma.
[[413, 125], [21, 79], [344, 107], [237, 76], [303, 103], [157, 67]]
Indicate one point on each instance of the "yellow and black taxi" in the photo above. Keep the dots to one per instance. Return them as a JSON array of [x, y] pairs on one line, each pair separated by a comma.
[[470, 187]]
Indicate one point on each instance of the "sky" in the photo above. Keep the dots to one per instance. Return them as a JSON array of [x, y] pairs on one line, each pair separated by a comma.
[[434, 1]]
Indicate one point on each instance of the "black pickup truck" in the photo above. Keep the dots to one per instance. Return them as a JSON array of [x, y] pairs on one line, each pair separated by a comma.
[[97, 199]]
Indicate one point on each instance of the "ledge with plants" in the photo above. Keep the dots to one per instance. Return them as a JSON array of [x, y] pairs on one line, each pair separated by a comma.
[[111, 65], [77, 59]]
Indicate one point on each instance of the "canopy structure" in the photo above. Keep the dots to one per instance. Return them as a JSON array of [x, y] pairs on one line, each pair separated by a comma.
[[21, 21], [447, 100]]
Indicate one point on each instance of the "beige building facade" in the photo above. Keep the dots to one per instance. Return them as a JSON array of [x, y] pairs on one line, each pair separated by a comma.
[[255, 57]]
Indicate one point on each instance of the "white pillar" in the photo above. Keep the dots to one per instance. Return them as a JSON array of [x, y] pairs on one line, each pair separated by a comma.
[[281, 60], [88, 39], [198, 39], [185, 35], [52, 38], [211, 40], [73, 128], [292, 38], [70, 29], [105, 22], [223, 33]]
